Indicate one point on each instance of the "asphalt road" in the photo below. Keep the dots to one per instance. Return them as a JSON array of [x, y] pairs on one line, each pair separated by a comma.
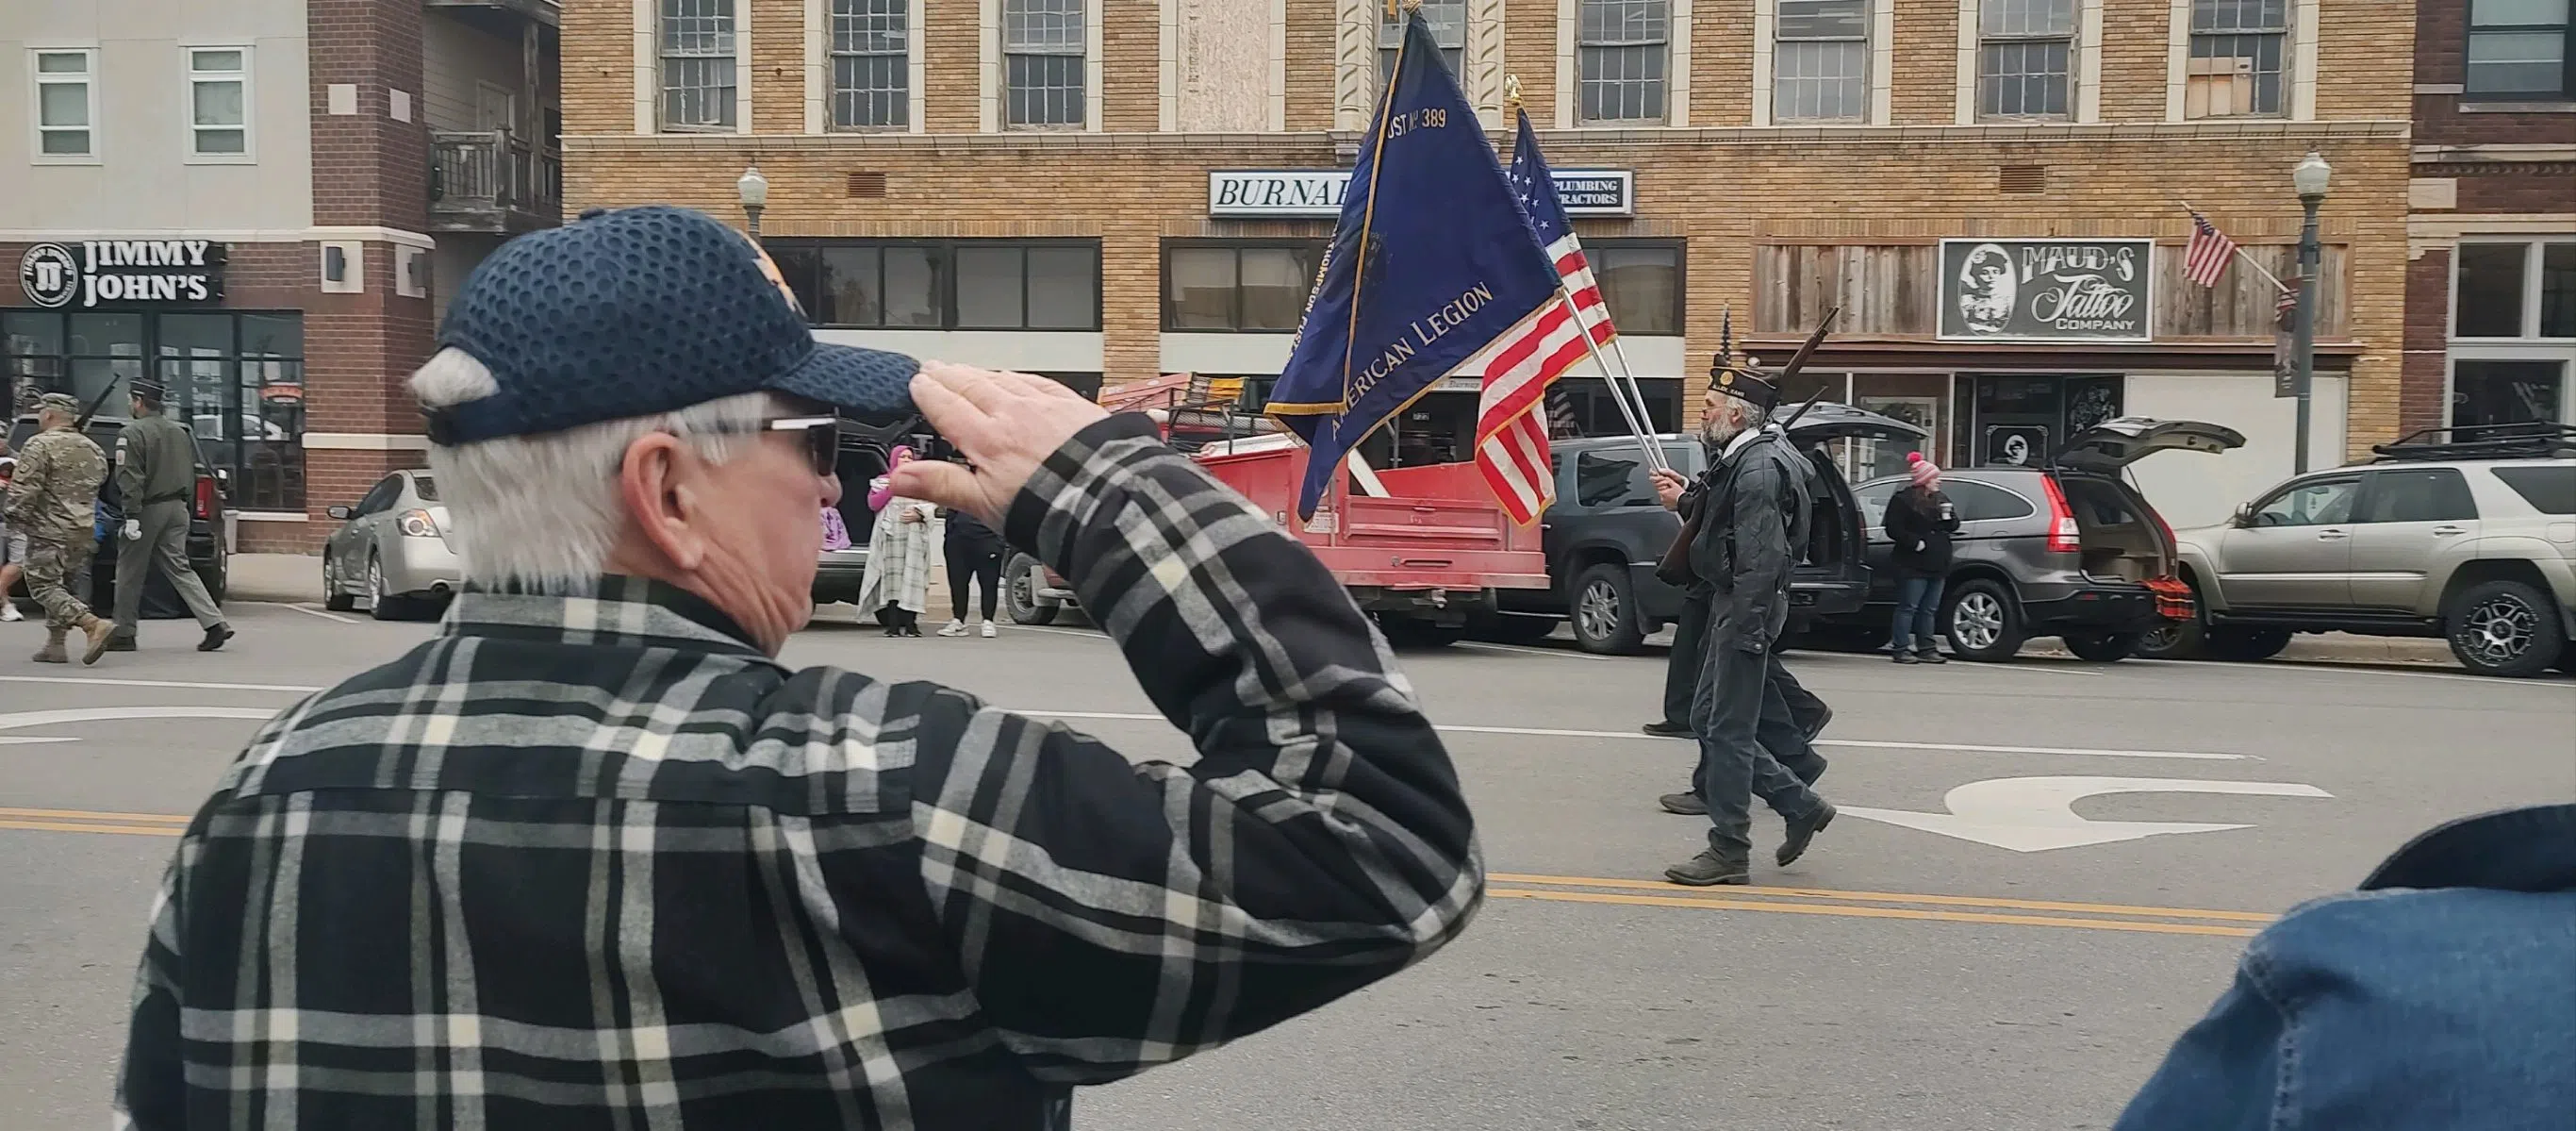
[[2011, 954]]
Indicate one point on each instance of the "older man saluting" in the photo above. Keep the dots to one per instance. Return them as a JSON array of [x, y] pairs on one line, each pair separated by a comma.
[[594, 858]]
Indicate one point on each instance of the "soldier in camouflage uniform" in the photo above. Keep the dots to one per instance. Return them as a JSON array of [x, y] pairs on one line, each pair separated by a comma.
[[53, 500]]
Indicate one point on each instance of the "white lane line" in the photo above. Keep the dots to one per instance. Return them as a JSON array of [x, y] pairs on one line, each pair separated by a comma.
[[2065, 751], [1551, 653], [1085, 633], [98, 682], [310, 611], [2333, 668]]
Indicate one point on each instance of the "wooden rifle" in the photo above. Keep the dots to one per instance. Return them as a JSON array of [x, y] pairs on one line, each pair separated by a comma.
[[1674, 567], [81, 422]]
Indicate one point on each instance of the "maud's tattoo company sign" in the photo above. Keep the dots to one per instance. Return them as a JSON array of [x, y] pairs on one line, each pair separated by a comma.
[[2013, 290], [95, 273]]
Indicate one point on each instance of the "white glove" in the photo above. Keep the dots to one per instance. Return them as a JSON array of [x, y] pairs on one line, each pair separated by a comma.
[[133, 530]]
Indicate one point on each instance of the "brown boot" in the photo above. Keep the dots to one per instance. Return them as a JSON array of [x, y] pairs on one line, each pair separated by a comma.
[[52, 652], [100, 633]]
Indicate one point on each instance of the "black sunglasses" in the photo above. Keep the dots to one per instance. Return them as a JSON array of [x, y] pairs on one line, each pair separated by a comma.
[[822, 437]]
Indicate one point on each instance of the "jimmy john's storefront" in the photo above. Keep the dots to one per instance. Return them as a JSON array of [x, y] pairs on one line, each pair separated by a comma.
[[2006, 349], [94, 315]]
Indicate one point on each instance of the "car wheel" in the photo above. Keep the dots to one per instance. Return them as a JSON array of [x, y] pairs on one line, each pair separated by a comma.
[[381, 604], [335, 596], [1603, 608], [1983, 621], [2172, 640], [2102, 647], [2247, 645], [2505, 628], [1020, 592]]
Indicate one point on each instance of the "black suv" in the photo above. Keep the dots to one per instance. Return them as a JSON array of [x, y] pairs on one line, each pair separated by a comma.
[[1606, 531], [206, 552]]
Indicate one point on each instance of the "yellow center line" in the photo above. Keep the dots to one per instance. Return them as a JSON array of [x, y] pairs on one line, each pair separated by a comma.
[[1898, 897], [94, 815], [1868, 912]]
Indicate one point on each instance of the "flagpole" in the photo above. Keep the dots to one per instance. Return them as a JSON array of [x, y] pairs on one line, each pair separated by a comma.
[[1637, 426], [2241, 257], [1639, 391]]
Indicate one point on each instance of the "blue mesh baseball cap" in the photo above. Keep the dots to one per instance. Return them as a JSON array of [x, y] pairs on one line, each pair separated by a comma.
[[641, 311]]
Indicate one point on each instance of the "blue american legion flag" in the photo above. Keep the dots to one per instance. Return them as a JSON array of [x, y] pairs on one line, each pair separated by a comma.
[[1431, 273]]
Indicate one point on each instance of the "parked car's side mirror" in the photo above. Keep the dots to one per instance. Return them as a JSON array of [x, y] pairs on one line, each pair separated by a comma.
[[341, 513], [2245, 514]]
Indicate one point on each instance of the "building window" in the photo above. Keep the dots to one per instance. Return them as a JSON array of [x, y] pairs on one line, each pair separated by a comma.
[[2513, 319], [236, 380], [1043, 53], [2236, 52], [2025, 59], [2491, 391], [1820, 61], [1448, 22], [697, 65], [2518, 49], [219, 102], [1224, 288], [1622, 51], [871, 64], [66, 105], [944, 284], [1641, 283]]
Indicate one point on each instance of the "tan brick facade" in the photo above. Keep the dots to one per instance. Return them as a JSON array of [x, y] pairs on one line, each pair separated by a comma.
[[1718, 184]]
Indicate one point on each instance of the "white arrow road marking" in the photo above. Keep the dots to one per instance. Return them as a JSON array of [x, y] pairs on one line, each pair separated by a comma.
[[2038, 814], [21, 719]]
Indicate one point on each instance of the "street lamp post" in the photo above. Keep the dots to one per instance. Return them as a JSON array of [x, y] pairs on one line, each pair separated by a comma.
[[2309, 178], [754, 191]]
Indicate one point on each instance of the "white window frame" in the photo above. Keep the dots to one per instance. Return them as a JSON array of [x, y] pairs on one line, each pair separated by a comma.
[[1877, 29], [1676, 19], [36, 82], [190, 76], [909, 67], [2526, 346], [994, 90], [740, 12]]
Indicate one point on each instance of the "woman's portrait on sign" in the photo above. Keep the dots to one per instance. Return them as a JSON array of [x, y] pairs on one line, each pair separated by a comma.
[[1986, 289]]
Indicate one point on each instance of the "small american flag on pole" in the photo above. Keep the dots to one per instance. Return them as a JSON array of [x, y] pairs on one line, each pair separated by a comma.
[[2208, 252]]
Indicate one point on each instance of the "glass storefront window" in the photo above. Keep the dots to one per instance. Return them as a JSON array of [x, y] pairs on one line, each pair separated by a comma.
[[236, 380]]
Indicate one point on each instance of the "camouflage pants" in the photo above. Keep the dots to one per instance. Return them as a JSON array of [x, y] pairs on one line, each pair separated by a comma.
[[50, 567]]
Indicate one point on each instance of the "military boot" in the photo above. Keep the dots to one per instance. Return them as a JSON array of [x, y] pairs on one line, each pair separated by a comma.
[[52, 652], [100, 632], [1709, 868]]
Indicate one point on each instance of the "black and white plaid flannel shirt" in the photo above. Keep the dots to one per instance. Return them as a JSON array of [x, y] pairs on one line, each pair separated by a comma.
[[599, 863]]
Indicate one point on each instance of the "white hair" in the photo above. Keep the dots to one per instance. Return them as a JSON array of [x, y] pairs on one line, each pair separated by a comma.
[[541, 512]]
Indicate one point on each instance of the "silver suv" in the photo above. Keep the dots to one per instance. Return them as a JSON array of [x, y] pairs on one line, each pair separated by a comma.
[[2465, 533]]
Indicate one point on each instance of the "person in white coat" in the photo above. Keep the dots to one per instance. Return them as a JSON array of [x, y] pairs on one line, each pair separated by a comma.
[[896, 585]]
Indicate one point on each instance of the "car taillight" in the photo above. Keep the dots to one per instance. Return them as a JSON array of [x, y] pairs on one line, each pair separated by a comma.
[[2062, 534], [205, 501], [416, 524]]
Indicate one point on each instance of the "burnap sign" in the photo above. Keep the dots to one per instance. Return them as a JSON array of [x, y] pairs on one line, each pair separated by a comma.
[[97, 273], [1318, 193]]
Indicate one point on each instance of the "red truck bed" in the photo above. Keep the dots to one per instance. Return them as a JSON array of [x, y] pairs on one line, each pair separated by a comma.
[[1439, 540]]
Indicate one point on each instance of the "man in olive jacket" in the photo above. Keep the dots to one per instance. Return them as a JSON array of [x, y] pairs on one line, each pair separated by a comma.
[[156, 475]]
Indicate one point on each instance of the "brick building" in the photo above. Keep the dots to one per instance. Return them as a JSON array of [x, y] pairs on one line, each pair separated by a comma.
[[2491, 223], [1111, 189], [260, 202]]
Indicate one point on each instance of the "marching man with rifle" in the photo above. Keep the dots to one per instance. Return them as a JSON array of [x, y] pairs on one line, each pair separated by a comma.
[[1746, 520], [53, 499]]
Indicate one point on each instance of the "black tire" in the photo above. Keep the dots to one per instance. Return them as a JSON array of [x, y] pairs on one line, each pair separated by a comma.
[[1409, 632], [1019, 593], [1983, 621], [2246, 645], [2102, 647], [2174, 640], [1602, 606], [333, 597], [1514, 628], [380, 604], [2504, 628]]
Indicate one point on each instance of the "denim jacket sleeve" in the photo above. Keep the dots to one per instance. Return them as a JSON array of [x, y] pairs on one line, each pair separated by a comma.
[[2225, 1074]]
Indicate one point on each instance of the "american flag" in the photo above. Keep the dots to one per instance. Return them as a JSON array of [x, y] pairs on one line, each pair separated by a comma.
[[2208, 253], [2287, 306], [1511, 432]]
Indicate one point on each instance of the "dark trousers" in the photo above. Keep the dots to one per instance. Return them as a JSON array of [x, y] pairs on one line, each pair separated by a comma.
[[1690, 651], [976, 559], [1736, 706]]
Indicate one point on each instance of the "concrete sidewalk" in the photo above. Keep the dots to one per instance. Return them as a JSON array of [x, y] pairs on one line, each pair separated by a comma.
[[297, 579]]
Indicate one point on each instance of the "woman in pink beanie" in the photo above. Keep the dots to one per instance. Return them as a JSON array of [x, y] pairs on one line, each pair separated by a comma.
[[1920, 520]]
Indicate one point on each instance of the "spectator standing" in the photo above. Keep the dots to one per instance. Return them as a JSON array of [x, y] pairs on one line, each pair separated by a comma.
[[897, 582], [13, 547], [1919, 521], [974, 554]]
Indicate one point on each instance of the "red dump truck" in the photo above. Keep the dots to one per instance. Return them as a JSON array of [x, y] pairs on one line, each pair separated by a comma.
[[1424, 548]]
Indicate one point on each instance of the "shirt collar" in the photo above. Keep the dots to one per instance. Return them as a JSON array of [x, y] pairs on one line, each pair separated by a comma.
[[619, 611], [1743, 439]]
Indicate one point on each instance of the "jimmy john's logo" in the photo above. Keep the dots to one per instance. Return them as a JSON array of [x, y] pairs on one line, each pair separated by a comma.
[[96, 273]]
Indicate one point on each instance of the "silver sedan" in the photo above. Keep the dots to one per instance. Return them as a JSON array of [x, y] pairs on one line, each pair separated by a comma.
[[394, 550]]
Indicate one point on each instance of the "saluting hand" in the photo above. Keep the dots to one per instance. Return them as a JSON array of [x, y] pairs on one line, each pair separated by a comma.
[[1005, 423]]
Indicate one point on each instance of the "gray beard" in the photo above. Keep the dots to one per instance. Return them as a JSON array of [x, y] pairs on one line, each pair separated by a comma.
[[1717, 435]]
